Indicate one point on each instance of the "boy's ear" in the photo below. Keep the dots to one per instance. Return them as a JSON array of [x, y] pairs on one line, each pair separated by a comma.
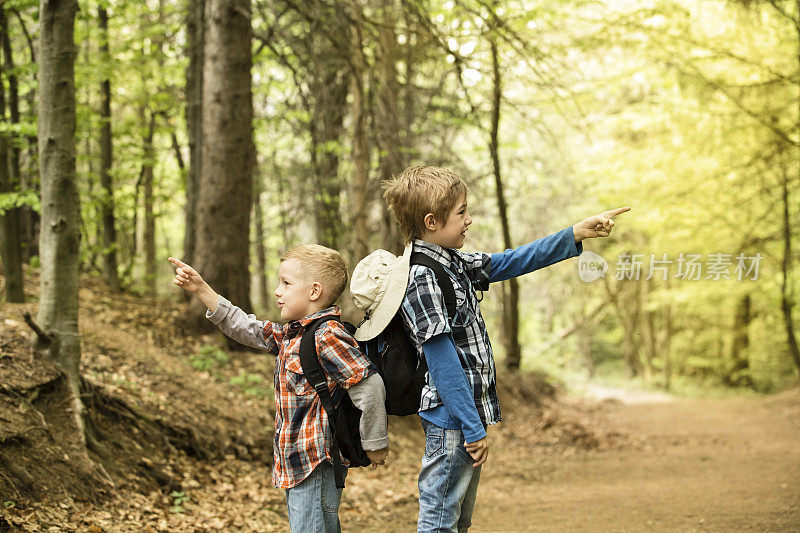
[[430, 222], [316, 291]]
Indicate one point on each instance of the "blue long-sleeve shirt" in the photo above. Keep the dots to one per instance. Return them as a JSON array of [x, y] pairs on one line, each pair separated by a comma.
[[458, 410]]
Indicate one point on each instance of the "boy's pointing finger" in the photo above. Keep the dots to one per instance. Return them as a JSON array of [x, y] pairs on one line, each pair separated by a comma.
[[617, 211], [176, 261]]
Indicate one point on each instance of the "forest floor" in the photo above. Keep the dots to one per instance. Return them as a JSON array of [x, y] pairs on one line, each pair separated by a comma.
[[187, 446]]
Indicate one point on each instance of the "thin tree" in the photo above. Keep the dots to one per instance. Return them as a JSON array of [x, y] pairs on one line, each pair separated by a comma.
[[106, 159], [510, 296], [10, 242]]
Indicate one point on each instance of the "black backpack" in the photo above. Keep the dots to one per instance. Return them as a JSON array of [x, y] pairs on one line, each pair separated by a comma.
[[394, 355], [343, 417]]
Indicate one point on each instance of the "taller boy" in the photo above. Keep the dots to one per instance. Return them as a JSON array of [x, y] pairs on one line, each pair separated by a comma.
[[459, 399]]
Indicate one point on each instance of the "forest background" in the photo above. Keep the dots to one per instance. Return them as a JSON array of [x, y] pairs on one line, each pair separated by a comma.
[[224, 132]]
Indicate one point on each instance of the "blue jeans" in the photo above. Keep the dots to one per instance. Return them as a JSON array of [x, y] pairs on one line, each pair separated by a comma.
[[448, 483], [314, 504]]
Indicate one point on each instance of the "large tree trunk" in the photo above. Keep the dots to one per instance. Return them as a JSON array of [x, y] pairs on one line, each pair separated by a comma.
[[60, 233], [225, 189], [106, 160], [361, 158], [10, 242], [329, 87], [195, 30], [511, 296], [388, 123]]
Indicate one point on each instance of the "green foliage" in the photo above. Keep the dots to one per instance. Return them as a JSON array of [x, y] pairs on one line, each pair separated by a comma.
[[209, 358], [178, 498], [14, 199], [250, 384]]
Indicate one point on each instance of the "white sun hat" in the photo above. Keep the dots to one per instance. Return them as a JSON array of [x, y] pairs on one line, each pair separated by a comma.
[[377, 287]]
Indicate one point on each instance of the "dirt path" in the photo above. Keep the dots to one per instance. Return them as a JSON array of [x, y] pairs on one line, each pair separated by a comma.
[[693, 465]]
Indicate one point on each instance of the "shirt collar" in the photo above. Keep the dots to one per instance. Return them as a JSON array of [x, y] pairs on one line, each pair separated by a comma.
[[440, 254], [333, 310]]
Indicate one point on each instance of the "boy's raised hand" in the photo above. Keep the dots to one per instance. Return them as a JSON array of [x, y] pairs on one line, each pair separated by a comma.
[[598, 225], [377, 457], [479, 450], [186, 276]]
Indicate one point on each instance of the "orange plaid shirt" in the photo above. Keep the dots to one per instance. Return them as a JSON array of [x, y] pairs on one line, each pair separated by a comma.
[[302, 433]]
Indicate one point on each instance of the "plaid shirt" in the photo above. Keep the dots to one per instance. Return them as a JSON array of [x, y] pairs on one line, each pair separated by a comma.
[[302, 433], [425, 316]]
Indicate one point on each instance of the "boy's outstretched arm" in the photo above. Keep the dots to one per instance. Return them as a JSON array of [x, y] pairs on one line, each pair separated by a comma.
[[231, 320], [551, 249]]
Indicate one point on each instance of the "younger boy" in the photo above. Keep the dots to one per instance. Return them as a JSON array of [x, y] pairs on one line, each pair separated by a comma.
[[311, 278], [459, 399]]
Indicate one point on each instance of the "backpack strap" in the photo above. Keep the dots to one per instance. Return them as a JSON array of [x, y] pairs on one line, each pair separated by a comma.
[[442, 279], [316, 377]]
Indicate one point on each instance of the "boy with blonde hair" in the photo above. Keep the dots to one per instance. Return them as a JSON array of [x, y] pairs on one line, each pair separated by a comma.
[[459, 399], [311, 278]]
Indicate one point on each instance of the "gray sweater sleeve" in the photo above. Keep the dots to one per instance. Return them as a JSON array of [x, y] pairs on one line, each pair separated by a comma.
[[241, 327], [369, 395]]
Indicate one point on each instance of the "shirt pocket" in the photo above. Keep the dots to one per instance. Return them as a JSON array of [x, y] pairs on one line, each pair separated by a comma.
[[296, 381], [465, 315]]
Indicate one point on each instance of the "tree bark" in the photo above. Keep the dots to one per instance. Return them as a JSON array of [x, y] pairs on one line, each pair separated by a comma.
[[225, 190], [261, 289], [388, 123], [195, 31], [736, 375], [10, 242], [61, 219], [329, 88], [787, 302], [361, 158], [511, 296], [106, 161], [149, 236]]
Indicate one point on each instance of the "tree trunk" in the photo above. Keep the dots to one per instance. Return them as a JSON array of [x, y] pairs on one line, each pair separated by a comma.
[[225, 188], [106, 160], [667, 343], [738, 374], [626, 304], [649, 330], [29, 219], [261, 288], [786, 298], [60, 233], [329, 87], [360, 147], [195, 31], [511, 296], [149, 237], [388, 117], [10, 242]]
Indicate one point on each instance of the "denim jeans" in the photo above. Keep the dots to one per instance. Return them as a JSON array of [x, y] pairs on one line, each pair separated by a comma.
[[314, 504], [448, 483]]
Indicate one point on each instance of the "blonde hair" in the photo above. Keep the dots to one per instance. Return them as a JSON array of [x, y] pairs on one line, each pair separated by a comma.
[[323, 265], [420, 190]]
